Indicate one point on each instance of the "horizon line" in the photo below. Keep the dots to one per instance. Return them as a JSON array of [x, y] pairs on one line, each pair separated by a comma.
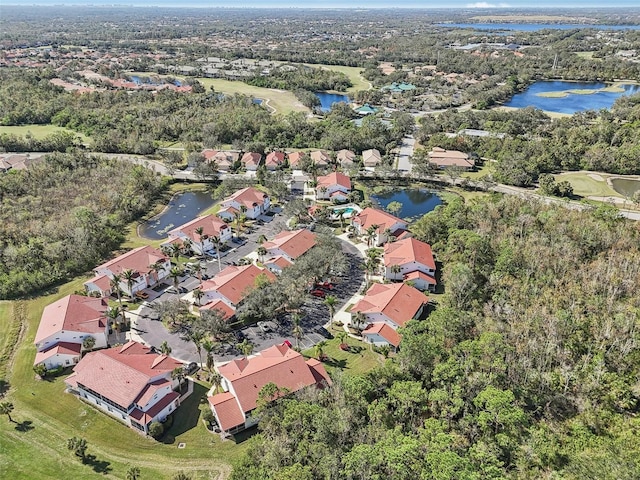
[[282, 7]]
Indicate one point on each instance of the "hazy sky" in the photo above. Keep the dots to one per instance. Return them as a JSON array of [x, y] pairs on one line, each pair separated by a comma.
[[344, 3]]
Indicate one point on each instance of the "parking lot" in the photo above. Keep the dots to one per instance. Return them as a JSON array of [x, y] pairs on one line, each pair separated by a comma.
[[314, 312]]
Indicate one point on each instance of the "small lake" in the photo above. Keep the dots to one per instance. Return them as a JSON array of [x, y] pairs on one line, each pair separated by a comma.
[[181, 209], [415, 201], [625, 186], [534, 27], [147, 81], [572, 102], [328, 99]]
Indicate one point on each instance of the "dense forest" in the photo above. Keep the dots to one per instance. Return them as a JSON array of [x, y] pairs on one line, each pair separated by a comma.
[[64, 214], [526, 369], [605, 141], [138, 122]]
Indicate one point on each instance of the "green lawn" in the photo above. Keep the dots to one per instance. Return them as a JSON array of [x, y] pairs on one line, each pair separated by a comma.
[[586, 186], [353, 73], [361, 358], [35, 446], [38, 131]]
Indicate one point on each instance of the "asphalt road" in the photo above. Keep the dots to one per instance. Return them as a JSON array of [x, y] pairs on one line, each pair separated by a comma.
[[315, 313], [406, 151]]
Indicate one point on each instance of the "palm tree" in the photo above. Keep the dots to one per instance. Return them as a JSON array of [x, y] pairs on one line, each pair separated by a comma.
[[114, 282], [200, 231], [5, 409], [388, 238], [197, 268], [114, 313], [261, 251], [156, 268], [178, 374], [358, 320], [175, 274], [186, 247], [319, 349], [245, 347], [198, 294], [165, 348], [133, 473], [215, 240], [342, 337], [129, 276], [371, 234], [78, 446], [330, 301], [175, 250], [196, 336], [297, 329], [181, 476], [88, 343], [215, 379], [341, 214], [209, 346], [395, 270]]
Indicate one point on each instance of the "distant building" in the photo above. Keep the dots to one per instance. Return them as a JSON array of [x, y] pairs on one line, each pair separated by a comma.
[[346, 158], [335, 186], [371, 158], [274, 160], [232, 284], [410, 259], [212, 227], [385, 224], [291, 244], [250, 201], [441, 158], [251, 161]]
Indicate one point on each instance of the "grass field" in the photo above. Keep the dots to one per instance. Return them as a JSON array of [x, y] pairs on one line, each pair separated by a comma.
[[353, 73], [361, 359], [587, 186], [38, 131], [45, 416]]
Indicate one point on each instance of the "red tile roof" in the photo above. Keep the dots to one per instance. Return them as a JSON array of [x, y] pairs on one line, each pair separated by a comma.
[[372, 216], [122, 373], [75, 313], [295, 158], [251, 158], [385, 331], [279, 261], [248, 197], [335, 178], [319, 157], [399, 302], [318, 371], [209, 153], [151, 389], [294, 243], [227, 410], [143, 418], [274, 158], [278, 364], [235, 282], [102, 282], [137, 260], [408, 250], [212, 227], [62, 348], [422, 276], [445, 158], [221, 306]]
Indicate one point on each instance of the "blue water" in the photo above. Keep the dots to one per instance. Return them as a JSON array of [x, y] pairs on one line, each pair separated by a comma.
[[415, 201], [328, 99], [573, 102], [147, 81], [257, 101], [533, 27], [182, 208]]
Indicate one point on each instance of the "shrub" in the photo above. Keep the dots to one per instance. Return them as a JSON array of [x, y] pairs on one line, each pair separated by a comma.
[[156, 429]]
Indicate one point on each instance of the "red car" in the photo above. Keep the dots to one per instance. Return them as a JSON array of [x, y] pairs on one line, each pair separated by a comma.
[[326, 285], [288, 343], [318, 293]]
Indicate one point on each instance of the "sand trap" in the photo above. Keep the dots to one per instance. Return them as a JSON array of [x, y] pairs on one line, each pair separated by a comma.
[[596, 177]]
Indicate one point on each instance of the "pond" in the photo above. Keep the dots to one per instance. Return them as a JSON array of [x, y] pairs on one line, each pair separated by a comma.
[[626, 187], [415, 201], [182, 208], [570, 97], [328, 99]]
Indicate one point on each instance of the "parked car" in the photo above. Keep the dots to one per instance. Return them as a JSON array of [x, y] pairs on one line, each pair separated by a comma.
[[325, 333], [173, 290], [142, 295], [318, 293], [182, 290], [191, 368], [264, 326], [326, 285], [288, 343], [240, 336]]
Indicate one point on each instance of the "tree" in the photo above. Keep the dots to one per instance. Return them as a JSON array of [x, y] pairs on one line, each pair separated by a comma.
[[178, 374], [165, 348], [129, 276], [297, 329], [5, 409], [78, 446], [371, 234], [261, 253], [114, 283], [245, 347], [197, 268], [181, 476], [133, 473], [175, 250], [319, 350], [156, 268], [208, 346], [196, 336], [330, 301], [88, 343], [156, 429], [394, 207], [342, 338], [175, 273], [115, 314], [40, 370], [395, 270], [200, 232], [198, 293], [217, 242]]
